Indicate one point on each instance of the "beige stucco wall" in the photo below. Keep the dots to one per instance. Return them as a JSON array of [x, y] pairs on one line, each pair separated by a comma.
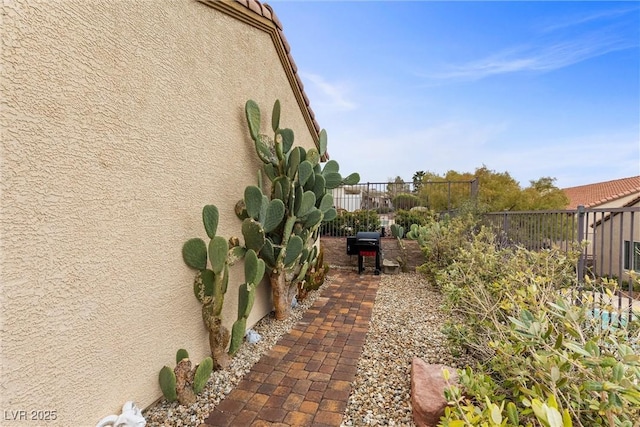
[[120, 120]]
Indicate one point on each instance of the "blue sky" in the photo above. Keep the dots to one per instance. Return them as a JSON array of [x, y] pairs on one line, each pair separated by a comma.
[[531, 88]]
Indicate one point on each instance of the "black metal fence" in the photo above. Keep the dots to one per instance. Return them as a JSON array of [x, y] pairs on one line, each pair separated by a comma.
[[608, 241], [374, 206]]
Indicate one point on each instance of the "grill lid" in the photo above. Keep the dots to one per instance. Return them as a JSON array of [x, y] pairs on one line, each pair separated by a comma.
[[368, 236]]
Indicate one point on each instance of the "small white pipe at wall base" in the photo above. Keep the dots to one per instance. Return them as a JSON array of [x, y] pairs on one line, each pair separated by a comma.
[[131, 417]]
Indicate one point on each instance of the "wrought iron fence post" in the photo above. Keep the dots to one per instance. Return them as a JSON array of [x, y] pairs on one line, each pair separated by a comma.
[[504, 239], [368, 207], [583, 251]]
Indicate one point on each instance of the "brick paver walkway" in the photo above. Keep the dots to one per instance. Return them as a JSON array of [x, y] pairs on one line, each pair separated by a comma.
[[305, 379]]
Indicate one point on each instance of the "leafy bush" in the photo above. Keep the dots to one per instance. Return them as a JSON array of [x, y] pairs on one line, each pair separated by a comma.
[[384, 210], [405, 218], [441, 240], [349, 223], [544, 360], [405, 201]]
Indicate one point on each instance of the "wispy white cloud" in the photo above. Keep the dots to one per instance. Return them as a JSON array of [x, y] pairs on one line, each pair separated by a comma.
[[327, 95], [540, 58], [562, 43], [586, 18]]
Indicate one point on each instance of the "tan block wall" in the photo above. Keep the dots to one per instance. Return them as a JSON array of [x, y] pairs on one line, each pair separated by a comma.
[[120, 120], [335, 253]]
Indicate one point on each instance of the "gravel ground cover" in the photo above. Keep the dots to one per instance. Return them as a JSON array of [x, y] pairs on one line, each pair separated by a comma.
[[406, 322]]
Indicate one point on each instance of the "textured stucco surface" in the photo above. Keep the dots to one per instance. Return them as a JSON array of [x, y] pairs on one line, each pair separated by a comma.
[[120, 119]]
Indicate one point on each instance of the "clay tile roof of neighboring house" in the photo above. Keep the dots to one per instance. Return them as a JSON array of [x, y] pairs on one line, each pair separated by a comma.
[[592, 195]]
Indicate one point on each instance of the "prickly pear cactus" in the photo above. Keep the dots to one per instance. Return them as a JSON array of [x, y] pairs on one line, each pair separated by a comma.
[[397, 231], [210, 284], [315, 274], [183, 382], [282, 226], [253, 272]]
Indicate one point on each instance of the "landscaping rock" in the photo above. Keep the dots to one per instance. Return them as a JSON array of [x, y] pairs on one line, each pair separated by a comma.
[[390, 266], [427, 391]]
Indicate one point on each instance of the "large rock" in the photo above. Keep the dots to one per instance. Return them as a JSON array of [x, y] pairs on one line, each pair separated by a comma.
[[427, 392]]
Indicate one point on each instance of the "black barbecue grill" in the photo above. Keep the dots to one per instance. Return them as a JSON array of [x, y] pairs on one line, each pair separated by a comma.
[[365, 244]]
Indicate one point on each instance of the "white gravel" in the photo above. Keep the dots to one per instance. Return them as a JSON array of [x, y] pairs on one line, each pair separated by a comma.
[[406, 322]]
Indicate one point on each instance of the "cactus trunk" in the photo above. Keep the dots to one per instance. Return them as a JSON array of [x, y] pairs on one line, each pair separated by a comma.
[[218, 340], [280, 294]]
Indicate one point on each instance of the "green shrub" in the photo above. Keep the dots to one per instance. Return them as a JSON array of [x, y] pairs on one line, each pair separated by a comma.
[[405, 218], [405, 201], [441, 240], [543, 360], [349, 223]]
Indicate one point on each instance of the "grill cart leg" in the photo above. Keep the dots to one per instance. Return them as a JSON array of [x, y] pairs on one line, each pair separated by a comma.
[[368, 253]]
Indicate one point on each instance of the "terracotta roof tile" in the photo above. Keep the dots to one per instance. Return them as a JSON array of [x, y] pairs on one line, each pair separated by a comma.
[[266, 12], [285, 43], [300, 84], [255, 6], [274, 18], [294, 67], [592, 195]]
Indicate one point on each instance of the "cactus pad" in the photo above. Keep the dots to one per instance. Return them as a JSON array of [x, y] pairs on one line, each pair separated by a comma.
[[275, 115], [253, 234], [331, 166], [307, 203], [352, 179], [294, 162], [305, 170], [167, 379], [294, 248], [202, 374], [252, 112], [181, 354], [203, 285], [267, 253], [218, 248], [326, 202], [287, 139], [194, 253], [322, 142], [313, 219], [250, 265], [253, 201], [210, 218], [333, 180], [319, 186], [237, 335], [273, 215], [313, 156]]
